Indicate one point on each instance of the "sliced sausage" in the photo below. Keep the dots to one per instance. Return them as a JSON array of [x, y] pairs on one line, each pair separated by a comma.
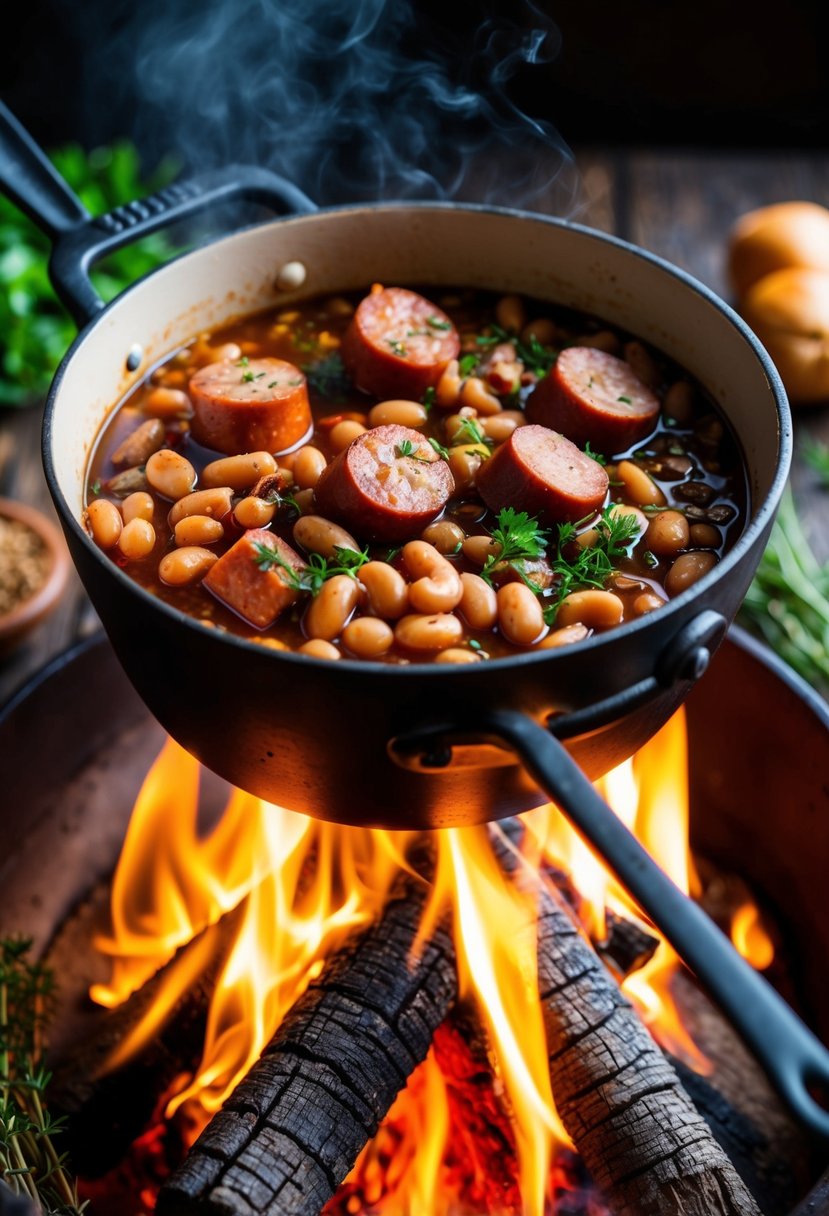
[[398, 344], [253, 590], [591, 396], [388, 484], [250, 405], [544, 474]]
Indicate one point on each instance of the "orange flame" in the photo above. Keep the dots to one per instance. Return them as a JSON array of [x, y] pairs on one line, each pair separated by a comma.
[[299, 887], [750, 937]]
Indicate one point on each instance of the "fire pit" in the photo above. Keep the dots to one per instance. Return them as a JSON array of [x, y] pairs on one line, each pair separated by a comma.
[[363, 988]]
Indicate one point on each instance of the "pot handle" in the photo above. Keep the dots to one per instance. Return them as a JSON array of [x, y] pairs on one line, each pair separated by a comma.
[[29, 179], [794, 1059]]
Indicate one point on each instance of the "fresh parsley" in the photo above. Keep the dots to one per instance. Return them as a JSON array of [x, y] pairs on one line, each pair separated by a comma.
[[243, 362], [625, 400], [317, 570], [467, 365], [397, 347], [589, 566], [518, 537], [328, 377], [436, 323], [428, 398], [247, 377], [597, 456], [536, 357], [95, 488]]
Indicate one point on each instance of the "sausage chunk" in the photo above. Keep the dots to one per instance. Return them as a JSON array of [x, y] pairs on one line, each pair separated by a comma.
[[388, 484], [591, 396], [256, 592], [248, 406], [545, 474], [398, 344]]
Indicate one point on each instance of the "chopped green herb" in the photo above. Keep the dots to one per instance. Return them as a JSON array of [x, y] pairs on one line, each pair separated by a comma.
[[397, 347], [428, 398], [625, 400], [243, 362], [597, 456], [440, 449], [469, 431], [272, 383], [436, 323], [519, 536], [467, 365], [392, 553], [95, 488], [247, 377], [650, 559], [317, 570], [405, 448], [474, 644], [590, 566], [328, 377], [291, 383], [535, 357]]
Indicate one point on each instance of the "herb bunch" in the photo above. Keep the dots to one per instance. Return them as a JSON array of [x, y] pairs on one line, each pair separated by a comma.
[[317, 570], [29, 1162], [533, 354], [590, 565], [34, 328], [788, 602], [328, 377]]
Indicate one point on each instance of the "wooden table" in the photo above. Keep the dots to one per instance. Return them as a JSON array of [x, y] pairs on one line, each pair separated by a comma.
[[679, 205]]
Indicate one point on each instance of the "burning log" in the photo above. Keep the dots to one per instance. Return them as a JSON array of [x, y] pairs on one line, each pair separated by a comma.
[[645, 1144], [740, 1106], [291, 1131], [101, 1124]]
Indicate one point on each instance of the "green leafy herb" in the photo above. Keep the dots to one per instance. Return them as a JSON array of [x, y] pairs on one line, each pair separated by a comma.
[[243, 362], [95, 488], [788, 602], [440, 449], [428, 398], [650, 559], [518, 536], [469, 431], [317, 570], [397, 347], [247, 377], [625, 400], [591, 565], [273, 383], [405, 448], [392, 553], [816, 455], [436, 323], [467, 365], [328, 377], [29, 1161], [597, 456], [535, 357], [34, 329]]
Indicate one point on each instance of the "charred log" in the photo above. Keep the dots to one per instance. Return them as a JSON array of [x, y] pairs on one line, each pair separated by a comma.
[[293, 1128], [106, 1110], [642, 1139]]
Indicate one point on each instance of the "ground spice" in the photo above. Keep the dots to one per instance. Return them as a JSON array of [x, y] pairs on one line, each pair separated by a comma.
[[24, 563]]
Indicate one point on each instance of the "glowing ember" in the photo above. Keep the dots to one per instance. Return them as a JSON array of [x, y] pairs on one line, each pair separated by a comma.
[[476, 1128]]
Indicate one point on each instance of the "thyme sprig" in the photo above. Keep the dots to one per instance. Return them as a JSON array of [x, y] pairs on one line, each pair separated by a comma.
[[788, 602], [533, 354], [317, 570], [29, 1162]]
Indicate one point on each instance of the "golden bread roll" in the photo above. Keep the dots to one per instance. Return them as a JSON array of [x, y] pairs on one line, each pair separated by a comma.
[[787, 234], [789, 312]]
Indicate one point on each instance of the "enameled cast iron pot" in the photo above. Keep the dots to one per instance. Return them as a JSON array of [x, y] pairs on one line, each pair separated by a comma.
[[422, 745]]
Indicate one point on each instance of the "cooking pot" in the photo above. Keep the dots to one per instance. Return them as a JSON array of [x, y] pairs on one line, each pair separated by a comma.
[[423, 745]]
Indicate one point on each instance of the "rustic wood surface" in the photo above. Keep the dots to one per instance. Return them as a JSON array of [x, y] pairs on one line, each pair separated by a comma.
[[678, 205]]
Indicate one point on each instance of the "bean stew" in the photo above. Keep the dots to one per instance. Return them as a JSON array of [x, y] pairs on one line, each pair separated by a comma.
[[404, 476]]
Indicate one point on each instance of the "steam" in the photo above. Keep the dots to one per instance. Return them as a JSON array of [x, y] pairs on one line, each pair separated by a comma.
[[351, 99]]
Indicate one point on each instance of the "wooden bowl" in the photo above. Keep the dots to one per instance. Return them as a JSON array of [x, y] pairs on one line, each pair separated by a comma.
[[14, 625]]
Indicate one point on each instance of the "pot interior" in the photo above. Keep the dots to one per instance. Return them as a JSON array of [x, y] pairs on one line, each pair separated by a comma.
[[415, 244]]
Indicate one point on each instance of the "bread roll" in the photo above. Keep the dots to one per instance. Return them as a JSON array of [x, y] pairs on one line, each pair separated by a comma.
[[789, 312], [772, 238]]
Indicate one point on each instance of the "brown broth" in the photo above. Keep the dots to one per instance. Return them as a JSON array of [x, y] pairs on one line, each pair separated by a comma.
[[308, 334]]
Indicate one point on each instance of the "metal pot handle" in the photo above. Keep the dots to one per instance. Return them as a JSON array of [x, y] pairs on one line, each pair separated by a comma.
[[791, 1055], [29, 179]]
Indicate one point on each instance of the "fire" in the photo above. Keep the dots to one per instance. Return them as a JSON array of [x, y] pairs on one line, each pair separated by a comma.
[[750, 936], [258, 902]]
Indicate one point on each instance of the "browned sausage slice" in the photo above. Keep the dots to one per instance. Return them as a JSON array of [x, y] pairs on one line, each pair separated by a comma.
[[591, 396], [250, 405], [398, 344], [256, 590], [388, 484], [544, 474]]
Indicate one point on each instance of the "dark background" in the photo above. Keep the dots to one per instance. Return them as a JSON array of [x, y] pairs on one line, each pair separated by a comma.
[[711, 73]]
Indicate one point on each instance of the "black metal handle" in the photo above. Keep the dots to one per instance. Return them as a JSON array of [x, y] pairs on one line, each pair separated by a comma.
[[791, 1055], [78, 240]]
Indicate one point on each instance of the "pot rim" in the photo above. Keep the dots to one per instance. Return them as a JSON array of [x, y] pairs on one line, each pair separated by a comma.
[[438, 671]]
